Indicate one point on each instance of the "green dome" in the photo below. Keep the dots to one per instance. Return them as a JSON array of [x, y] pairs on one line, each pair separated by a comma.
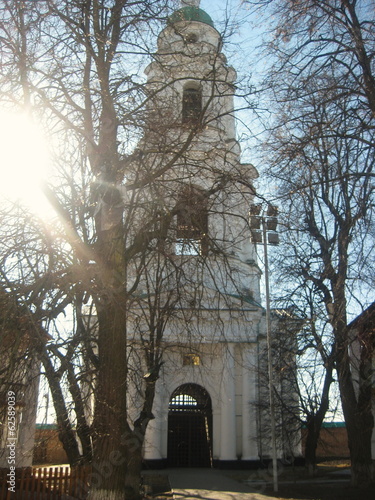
[[190, 14]]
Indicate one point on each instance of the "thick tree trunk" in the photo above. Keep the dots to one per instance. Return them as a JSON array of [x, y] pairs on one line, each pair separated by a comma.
[[117, 476], [354, 375], [359, 424], [117, 448], [117, 451], [359, 437], [311, 445], [358, 415], [133, 467]]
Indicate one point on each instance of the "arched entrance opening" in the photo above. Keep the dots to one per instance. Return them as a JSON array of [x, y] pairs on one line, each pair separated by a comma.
[[190, 427]]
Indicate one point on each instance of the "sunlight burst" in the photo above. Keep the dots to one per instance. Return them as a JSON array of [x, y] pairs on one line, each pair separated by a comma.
[[24, 161]]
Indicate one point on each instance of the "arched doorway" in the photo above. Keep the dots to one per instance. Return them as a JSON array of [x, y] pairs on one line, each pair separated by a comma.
[[190, 427]]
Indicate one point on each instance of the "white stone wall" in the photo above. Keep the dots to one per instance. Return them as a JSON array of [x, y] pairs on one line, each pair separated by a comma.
[[228, 372]]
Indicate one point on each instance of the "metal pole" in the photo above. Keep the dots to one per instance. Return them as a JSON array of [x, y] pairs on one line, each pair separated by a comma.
[[270, 363]]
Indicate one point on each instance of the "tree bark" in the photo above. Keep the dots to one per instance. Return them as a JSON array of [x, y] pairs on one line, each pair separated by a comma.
[[66, 432], [313, 431], [111, 429], [117, 448], [358, 411], [314, 423]]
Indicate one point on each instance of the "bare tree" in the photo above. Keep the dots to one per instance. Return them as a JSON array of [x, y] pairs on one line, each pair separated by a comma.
[[304, 365], [322, 156], [131, 232], [322, 87]]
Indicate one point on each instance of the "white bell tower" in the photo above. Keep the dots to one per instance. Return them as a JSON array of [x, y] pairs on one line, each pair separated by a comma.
[[205, 407]]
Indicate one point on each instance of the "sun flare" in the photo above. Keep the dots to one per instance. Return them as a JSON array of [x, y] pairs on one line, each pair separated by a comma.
[[24, 160]]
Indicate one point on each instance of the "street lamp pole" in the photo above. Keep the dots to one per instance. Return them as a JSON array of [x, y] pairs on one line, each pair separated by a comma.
[[268, 222], [270, 360]]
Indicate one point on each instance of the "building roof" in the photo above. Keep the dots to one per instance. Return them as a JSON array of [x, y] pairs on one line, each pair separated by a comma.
[[365, 321], [53, 426], [329, 425], [333, 425], [190, 13]]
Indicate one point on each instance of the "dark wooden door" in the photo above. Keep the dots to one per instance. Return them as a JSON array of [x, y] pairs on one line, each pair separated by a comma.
[[189, 440]]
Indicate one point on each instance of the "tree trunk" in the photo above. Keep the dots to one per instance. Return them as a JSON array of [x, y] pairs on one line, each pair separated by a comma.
[[133, 466], [359, 425], [359, 437], [358, 414], [66, 431], [314, 423], [117, 451], [117, 477], [312, 437]]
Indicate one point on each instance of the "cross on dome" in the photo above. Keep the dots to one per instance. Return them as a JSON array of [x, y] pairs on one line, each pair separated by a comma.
[[190, 3]]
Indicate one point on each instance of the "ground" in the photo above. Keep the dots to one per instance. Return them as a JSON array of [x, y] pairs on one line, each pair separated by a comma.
[[156, 486], [330, 483]]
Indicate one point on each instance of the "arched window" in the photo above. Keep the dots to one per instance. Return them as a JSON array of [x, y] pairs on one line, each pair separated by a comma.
[[191, 105], [182, 402], [192, 222], [190, 397]]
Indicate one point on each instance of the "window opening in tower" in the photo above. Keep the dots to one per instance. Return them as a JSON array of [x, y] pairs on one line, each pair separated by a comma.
[[191, 105]]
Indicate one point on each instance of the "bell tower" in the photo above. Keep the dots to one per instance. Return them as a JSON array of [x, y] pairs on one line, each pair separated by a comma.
[[206, 398]]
